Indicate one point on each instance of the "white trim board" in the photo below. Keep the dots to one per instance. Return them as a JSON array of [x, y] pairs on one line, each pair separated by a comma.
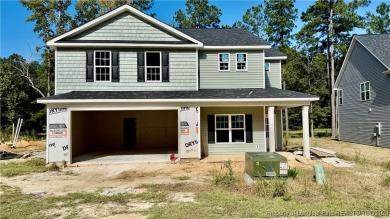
[[235, 100], [125, 8], [276, 58]]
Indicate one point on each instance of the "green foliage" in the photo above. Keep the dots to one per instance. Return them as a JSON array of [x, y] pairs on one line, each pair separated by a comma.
[[292, 172], [271, 187], [23, 167], [226, 175], [280, 17], [386, 165], [18, 98], [199, 14], [379, 23]]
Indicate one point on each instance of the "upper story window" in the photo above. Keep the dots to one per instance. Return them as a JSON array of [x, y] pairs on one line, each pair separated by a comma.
[[365, 91], [340, 96], [267, 66], [153, 66], [241, 61], [102, 65], [230, 128], [224, 61]]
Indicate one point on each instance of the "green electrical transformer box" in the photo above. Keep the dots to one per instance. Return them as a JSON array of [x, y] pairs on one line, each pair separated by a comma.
[[263, 164]]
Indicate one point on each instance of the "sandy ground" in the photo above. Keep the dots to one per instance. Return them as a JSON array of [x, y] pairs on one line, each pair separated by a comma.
[[23, 145]]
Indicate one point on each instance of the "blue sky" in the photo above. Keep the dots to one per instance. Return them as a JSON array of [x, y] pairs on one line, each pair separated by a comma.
[[17, 35]]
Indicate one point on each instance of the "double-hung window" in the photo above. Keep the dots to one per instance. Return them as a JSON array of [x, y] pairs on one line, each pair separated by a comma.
[[230, 128], [153, 66], [365, 91], [224, 61], [241, 62], [102, 65]]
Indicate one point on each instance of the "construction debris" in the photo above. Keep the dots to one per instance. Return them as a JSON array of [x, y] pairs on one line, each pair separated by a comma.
[[337, 162], [323, 155], [6, 155]]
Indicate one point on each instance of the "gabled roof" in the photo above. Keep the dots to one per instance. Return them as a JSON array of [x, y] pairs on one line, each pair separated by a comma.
[[203, 95], [216, 37], [125, 8], [377, 44], [273, 53]]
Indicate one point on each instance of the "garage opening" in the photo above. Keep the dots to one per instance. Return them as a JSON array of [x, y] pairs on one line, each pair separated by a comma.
[[97, 134]]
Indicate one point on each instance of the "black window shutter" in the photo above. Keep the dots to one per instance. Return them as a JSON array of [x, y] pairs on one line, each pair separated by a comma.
[[89, 67], [211, 129], [141, 67], [165, 66], [249, 128], [115, 66]]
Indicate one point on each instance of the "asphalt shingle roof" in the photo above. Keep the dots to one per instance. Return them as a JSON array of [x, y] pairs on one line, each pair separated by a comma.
[[224, 37], [247, 93], [273, 53], [378, 45]]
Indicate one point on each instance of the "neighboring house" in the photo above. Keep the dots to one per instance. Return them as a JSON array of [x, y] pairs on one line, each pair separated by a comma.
[[363, 88], [128, 81]]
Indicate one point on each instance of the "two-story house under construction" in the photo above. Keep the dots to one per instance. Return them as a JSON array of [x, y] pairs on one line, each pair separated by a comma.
[[128, 82]]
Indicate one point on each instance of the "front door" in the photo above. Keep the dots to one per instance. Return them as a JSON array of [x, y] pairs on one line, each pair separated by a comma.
[[129, 132]]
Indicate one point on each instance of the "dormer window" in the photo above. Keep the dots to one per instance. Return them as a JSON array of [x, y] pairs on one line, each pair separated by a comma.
[[224, 61]]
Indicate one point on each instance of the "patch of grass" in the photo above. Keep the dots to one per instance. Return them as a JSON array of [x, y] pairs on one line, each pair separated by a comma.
[[70, 173], [24, 167], [292, 172], [15, 204], [386, 165], [386, 181], [182, 178], [271, 187], [226, 175]]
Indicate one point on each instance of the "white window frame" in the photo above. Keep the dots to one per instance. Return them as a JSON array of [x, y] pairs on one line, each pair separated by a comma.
[[246, 62], [340, 97], [229, 129], [269, 64], [102, 66], [219, 62], [365, 91], [146, 67]]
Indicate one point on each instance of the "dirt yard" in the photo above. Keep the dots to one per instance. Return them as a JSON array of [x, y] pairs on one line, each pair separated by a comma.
[[175, 189]]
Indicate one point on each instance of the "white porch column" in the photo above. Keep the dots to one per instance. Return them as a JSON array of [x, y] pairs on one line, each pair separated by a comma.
[[305, 130], [271, 128]]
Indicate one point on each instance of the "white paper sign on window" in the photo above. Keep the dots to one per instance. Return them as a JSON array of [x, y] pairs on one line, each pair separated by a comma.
[[58, 135], [189, 132]]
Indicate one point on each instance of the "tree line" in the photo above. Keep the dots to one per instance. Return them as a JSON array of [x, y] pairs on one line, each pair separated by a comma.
[[24, 80]]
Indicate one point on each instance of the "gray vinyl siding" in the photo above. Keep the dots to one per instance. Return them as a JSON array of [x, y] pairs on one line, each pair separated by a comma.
[[71, 73], [125, 27], [212, 78], [273, 76], [234, 148], [356, 120]]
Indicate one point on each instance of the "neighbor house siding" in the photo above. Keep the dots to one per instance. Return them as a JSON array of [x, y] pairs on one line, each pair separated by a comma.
[[358, 118], [71, 73], [212, 78], [273, 76], [125, 27], [234, 148]]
